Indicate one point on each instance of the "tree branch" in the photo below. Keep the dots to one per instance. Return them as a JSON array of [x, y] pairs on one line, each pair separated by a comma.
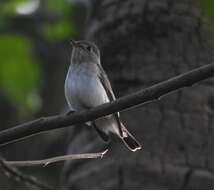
[[141, 97], [19, 176], [48, 161]]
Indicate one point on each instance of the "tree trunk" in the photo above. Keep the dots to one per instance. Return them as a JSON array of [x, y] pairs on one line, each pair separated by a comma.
[[143, 42]]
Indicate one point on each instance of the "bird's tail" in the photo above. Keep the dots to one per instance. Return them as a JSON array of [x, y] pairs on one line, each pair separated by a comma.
[[128, 139]]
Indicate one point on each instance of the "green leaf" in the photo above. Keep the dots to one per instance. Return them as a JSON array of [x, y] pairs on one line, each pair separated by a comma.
[[60, 6], [8, 7], [19, 73], [207, 8], [64, 27], [59, 30]]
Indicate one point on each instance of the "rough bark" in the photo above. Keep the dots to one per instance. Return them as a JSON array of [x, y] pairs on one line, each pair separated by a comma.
[[143, 42]]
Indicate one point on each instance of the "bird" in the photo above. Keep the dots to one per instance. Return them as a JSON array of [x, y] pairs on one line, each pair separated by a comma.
[[87, 86]]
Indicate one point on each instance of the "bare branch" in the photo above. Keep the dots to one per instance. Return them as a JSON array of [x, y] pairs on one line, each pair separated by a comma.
[[141, 97], [48, 161], [19, 176]]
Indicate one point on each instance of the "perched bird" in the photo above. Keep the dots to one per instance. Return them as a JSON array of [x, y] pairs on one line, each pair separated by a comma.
[[87, 86]]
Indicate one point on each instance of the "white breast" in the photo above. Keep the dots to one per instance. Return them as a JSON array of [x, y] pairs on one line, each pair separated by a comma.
[[83, 89]]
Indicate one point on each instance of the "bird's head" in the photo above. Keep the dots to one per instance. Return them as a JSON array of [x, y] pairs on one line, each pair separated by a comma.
[[84, 52]]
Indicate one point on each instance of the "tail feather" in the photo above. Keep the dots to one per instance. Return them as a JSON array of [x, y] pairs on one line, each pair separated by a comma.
[[130, 142]]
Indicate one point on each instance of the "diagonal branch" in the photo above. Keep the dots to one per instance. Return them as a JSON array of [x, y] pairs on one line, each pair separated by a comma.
[[141, 97], [19, 176], [48, 161]]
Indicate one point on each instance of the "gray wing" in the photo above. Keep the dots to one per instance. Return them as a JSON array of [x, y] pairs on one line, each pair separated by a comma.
[[106, 83], [107, 86]]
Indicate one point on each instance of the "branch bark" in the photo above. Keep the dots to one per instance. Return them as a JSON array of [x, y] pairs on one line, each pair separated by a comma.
[[11, 171], [52, 160], [138, 98]]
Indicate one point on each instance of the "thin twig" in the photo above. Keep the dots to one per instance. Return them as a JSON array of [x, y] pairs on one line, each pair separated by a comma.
[[138, 98], [11, 171], [48, 161]]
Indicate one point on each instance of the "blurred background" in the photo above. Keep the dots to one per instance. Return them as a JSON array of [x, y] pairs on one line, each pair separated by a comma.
[[142, 42]]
